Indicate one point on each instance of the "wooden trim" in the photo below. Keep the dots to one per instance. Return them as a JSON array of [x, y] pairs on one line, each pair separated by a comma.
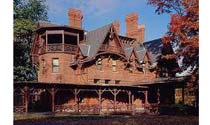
[[71, 34], [78, 39], [46, 40], [63, 41], [55, 31], [26, 97]]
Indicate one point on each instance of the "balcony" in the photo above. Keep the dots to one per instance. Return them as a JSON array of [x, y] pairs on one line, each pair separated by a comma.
[[62, 48], [113, 49]]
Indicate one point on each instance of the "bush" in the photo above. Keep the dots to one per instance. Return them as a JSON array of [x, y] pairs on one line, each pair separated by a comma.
[[178, 109]]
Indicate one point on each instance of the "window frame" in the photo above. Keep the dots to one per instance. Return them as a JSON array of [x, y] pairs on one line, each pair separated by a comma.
[[55, 66]]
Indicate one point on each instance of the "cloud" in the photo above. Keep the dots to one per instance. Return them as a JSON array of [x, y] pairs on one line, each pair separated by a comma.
[[91, 7]]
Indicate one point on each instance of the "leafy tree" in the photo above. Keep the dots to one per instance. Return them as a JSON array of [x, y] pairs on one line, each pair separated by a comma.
[[184, 30], [26, 14]]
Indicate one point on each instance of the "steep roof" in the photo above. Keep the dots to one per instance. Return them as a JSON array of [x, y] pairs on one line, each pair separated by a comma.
[[154, 49], [140, 53], [95, 38]]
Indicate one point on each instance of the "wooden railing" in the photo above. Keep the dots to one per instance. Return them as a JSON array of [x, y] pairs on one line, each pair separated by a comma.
[[19, 109], [62, 47], [152, 108], [95, 109], [65, 108]]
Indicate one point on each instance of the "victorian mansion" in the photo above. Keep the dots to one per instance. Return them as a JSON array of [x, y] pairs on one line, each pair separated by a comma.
[[97, 71]]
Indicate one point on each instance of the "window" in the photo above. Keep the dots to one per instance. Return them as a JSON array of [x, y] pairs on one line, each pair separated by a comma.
[[114, 65], [99, 64], [55, 66], [107, 81], [54, 38], [117, 82], [96, 80]]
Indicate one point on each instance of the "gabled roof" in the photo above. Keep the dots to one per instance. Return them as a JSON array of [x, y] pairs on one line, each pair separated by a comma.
[[154, 49], [95, 38], [140, 53], [128, 52], [126, 41]]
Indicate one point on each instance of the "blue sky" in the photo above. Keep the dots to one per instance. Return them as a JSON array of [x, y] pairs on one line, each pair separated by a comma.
[[97, 13]]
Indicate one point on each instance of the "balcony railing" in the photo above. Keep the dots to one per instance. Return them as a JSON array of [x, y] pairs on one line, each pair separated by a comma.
[[62, 48], [111, 49]]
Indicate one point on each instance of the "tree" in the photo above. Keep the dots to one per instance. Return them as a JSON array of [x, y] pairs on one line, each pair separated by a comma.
[[26, 14], [184, 30]]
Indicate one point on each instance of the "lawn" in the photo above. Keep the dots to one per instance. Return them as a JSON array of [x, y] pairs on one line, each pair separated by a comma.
[[66, 119]]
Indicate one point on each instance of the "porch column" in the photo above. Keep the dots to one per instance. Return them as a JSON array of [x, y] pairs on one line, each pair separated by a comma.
[[129, 100], [53, 99], [146, 97], [158, 96], [158, 101], [100, 92], [76, 92], [115, 92], [26, 97], [133, 106], [183, 94]]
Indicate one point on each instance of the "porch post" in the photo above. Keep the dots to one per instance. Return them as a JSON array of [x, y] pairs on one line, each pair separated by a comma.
[[158, 100], [129, 100], [183, 94], [133, 106], [146, 97], [76, 92], [115, 98], [26, 97], [115, 92], [158, 96], [53, 99], [100, 103]]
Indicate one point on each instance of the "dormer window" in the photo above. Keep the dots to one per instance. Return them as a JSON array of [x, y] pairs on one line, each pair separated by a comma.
[[99, 64], [114, 65]]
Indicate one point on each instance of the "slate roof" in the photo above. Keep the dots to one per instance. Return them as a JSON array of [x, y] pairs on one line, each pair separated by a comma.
[[47, 24], [154, 49], [140, 53], [128, 52], [95, 38], [126, 41]]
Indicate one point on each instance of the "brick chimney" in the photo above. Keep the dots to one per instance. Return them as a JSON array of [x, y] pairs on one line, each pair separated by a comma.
[[134, 30], [75, 18], [116, 24]]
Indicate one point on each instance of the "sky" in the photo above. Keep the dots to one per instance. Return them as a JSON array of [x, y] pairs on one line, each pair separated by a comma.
[[97, 13]]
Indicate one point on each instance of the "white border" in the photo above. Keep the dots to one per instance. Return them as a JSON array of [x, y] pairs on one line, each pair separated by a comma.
[[6, 63]]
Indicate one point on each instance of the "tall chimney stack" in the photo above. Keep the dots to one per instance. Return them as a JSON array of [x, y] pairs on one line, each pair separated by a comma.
[[75, 18], [134, 30], [116, 24]]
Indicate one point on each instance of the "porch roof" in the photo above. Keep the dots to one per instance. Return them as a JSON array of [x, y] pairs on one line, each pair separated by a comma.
[[50, 84]]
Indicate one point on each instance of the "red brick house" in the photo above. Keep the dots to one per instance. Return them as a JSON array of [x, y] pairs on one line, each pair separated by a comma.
[[97, 71]]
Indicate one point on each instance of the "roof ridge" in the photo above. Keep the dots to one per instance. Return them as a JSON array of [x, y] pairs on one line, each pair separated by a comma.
[[100, 27]]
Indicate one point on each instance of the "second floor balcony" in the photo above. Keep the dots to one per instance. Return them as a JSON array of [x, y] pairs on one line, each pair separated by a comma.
[[62, 48]]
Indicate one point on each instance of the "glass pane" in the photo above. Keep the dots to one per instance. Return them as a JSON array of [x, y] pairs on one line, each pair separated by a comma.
[[55, 62], [55, 69]]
